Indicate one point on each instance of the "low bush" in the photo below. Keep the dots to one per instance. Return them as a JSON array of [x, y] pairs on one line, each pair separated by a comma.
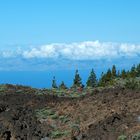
[[64, 119], [57, 134], [44, 113], [136, 136], [122, 137], [131, 84]]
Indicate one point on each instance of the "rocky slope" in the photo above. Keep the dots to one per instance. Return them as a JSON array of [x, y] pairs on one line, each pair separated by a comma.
[[102, 115]]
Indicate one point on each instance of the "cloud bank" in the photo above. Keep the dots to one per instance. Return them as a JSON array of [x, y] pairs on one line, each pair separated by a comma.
[[88, 50]]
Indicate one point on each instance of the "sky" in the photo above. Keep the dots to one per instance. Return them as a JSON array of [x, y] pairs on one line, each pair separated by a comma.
[[66, 21], [36, 34]]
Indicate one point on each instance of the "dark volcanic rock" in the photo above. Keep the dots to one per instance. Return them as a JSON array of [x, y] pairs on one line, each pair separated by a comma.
[[101, 116]]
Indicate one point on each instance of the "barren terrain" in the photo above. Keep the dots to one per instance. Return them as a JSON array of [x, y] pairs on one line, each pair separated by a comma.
[[103, 115]]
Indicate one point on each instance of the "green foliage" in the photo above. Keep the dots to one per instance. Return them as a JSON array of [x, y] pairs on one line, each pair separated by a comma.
[[136, 136], [92, 81], [102, 80], [106, 79], [75, 126], [54, 85], [133, 72], [123, 74], [114, 73], [58, 134], [64, 118], [108, 75], [138, 70], [54, 116], [122, 137], [2, 88], [131, 84], [75, 95], [77, 80], [44, 113], [111, 77], [62, 85]]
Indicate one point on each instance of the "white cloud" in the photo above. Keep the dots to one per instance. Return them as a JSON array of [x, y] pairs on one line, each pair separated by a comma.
[[88, 50]]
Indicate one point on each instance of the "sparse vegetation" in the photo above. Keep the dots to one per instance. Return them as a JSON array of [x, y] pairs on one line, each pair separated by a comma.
[[2, 88], [63, 117], [44, 113], [58, 134], [62, 112], [122, 137], [54, 85], [62, 85], [131, 84], [136, 136]]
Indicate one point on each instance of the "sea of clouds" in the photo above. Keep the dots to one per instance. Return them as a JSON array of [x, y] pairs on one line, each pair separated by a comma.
[[87, 50]]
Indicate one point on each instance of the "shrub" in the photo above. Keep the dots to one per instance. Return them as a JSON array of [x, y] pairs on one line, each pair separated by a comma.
[[2, 88], [75, 127], [54, 116], [136, 136], [44, 113], [122, 137], [62, 85], [58, 134], [131, 84], [64, 119]]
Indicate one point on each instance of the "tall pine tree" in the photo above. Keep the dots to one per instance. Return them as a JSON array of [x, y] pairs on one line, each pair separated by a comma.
[[133, 72], [114, 73], [77, 80], [138, 70], [123, 74], [92, 81], [54, 85], [102, 80], [108, 75]]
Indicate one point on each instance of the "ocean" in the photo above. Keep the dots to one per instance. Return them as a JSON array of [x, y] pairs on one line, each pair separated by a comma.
[[42, 79]]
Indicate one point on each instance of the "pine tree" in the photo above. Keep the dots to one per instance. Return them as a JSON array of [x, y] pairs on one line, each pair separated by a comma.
[[108, 75], [92, 81], [102, 80], [133, 71], [123, 74], [77, 80], [138, 70], [114, 74], [128, 74], [62, 85], [54, 85]]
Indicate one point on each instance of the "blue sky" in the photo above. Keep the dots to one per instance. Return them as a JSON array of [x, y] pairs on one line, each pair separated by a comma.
[[37, 33], [54, 21]]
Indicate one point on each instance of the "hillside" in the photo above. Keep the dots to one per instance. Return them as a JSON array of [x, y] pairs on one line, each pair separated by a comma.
[[28, 114]]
